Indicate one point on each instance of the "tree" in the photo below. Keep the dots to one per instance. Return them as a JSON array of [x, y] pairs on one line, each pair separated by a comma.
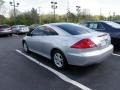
[[11, 13], [34, 15], [72, 17], [2, 19], [27, 18]]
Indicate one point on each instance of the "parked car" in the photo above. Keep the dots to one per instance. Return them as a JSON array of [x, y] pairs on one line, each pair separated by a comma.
[[68, 43], [33, 26], [5, 30], [117, 22], [20, 29], [107, 26]]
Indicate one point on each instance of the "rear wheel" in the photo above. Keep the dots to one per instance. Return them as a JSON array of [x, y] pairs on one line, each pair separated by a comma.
[[25, 47], [59, 59]]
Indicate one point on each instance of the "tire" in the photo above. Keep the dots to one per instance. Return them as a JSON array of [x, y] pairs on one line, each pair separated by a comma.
[[59, 60], [25, 47]]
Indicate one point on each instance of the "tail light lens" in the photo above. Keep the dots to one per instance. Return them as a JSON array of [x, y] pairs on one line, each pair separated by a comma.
[[84, 43]]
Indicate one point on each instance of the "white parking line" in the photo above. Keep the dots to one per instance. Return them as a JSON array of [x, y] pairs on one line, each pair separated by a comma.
[[116, 54], [60, 75]]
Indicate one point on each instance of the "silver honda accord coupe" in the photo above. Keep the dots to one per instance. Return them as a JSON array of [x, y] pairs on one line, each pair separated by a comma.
[[68, 44]]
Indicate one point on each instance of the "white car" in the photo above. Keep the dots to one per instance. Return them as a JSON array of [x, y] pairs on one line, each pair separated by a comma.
[[19, 29], [67, 43]]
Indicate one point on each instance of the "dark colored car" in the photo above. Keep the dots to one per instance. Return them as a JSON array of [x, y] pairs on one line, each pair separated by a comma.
[[5, 30], [117, 22], [106, 26], [20, 29]]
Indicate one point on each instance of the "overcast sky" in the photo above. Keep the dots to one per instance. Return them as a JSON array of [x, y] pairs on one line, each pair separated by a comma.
[[107, 6]]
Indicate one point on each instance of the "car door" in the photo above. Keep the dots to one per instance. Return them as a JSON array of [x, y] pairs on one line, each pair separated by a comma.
[[47, 39], [34, 40]]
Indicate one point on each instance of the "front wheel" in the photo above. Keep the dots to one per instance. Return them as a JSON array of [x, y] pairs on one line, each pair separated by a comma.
[[59, 59]]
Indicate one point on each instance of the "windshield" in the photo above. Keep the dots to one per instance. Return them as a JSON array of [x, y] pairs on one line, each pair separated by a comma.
[[74, 29], [112, 24]]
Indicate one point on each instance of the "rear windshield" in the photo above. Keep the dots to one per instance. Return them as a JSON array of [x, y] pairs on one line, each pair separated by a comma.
[[4, 27], [75, 29]]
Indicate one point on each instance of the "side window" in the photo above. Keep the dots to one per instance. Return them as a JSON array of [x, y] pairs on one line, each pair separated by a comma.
[[37, 32], [93, 25], [96, 26], [101, 27], [49, 31]]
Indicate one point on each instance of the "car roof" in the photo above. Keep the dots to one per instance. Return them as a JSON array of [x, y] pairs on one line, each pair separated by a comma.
[[101, 22], [57, 29], [93, 21], [61, 23], [98, 21], [61, 31]]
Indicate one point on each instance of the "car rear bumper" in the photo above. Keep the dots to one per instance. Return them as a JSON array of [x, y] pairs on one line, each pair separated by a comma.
[[94, 57]]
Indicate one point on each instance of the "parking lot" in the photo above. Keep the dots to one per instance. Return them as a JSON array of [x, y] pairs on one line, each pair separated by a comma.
[[20, 71]]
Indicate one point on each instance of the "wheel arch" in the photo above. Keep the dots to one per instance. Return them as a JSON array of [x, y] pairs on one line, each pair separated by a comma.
[[56, 49]]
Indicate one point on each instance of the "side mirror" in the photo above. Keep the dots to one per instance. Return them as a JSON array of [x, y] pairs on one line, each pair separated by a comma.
[[29, 34]]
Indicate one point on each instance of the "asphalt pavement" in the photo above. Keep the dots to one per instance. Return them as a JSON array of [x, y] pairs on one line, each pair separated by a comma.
[[18, 72]]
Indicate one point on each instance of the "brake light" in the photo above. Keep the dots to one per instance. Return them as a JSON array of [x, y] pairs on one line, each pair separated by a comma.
[[84, 43]]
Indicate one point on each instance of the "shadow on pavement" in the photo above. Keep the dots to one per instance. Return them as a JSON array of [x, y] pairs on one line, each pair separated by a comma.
[[117, 50], [71, 70]]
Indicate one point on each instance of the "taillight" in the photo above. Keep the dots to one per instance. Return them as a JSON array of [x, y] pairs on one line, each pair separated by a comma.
[[84, 43]]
